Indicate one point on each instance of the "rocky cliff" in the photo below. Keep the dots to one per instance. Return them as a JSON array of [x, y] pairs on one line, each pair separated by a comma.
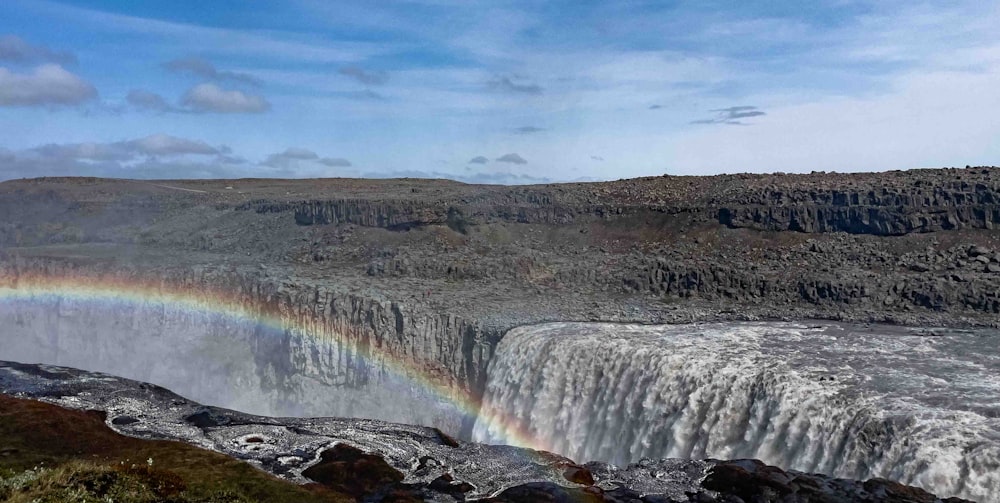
[[326, 351], [878, 204], [923, 206], [430, 273]]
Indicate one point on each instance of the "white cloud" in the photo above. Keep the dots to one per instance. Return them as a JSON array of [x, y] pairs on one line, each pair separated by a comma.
[[46, 85], [335, 162], [162, 144], [734, 115], [528, 130], [153, 145], [287, 158], [932, 119], [14, 48], [820, 83], [205, 69], [145, 100], [157, 155], [212, 98], [366, 77], [512, 158], [515, 85], [480, 177], [294, 161], [82, 151], [203, 98], [193, 38], [299, 153]]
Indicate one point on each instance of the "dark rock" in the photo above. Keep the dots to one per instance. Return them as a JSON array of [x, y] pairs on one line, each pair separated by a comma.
[[447, 484], [754, 481], [749, 480], [546, 492], [578, 475], [350, 470], [446, 439], [889, 491], [203, 419], [978, 251]]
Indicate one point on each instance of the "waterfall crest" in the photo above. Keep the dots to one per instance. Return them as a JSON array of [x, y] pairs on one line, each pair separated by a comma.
[[837, 400]]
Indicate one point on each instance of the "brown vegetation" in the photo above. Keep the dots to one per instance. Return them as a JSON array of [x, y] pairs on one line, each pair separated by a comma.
[[48, 453]]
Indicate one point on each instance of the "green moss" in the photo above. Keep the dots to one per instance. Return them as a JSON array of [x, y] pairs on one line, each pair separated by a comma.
[[52, 454], [88, 482]]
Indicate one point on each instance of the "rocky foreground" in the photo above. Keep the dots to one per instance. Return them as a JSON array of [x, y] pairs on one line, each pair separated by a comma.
[[376, 461]]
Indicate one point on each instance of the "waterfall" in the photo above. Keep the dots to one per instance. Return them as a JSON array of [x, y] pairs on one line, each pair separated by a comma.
[[837, 400], [220, 360]]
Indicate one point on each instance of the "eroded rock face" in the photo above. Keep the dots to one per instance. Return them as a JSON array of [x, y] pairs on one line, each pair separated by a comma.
[[323, 352], [939, 201], [886, 205], [937, 279], [647, 249]]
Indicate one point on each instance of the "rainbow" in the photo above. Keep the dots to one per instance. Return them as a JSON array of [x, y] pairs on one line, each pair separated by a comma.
[[132, 290]]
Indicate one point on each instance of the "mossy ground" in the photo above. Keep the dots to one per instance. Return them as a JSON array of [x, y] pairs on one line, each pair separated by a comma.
[[52, 454]]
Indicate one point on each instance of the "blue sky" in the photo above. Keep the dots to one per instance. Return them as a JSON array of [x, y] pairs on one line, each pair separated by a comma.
[[508, 92]]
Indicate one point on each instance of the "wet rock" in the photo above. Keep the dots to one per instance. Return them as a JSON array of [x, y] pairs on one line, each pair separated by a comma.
[[546, 492], [754, 481], [447, 484], [203, 419], [748, 479], [893, 492], [350, 470], [578, 475], [124, 420], [447, 439]]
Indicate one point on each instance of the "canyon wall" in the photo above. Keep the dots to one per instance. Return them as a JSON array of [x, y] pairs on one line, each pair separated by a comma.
[[922, 206], [889, 205], [947, 280], [327, 352], [427, 275]]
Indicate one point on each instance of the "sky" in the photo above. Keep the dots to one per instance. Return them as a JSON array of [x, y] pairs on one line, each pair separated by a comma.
[[494, 91]]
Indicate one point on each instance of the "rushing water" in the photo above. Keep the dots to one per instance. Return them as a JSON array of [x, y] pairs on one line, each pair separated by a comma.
[[850, 401], [218, 360]]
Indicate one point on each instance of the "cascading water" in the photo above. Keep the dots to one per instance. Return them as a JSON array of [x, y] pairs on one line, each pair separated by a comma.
[[222, 360], [848, 401]]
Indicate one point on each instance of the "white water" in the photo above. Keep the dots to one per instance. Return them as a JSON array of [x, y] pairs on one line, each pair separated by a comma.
[[218, 360], [846, 401]]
